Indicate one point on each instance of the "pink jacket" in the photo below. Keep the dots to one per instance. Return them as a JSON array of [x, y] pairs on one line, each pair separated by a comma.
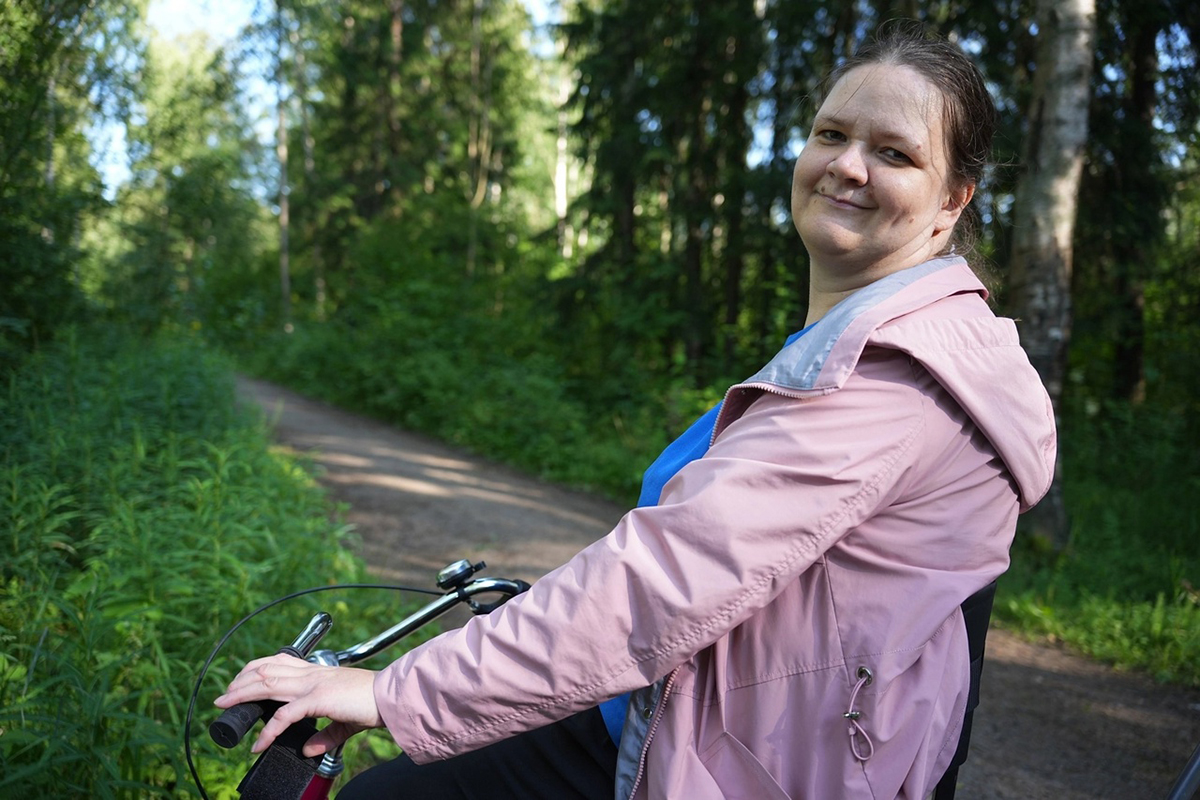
[[858, 489]]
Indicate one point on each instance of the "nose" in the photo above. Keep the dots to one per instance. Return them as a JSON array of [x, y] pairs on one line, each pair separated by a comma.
[[849, 165]]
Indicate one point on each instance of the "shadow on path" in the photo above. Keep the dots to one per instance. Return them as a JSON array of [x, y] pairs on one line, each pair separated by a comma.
[[418, 504], [1051, 725]]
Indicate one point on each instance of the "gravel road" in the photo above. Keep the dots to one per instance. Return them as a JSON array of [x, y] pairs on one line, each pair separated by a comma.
[[1051, 725]]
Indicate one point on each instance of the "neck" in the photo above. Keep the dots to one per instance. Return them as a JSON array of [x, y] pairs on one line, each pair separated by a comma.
[[830, 281]]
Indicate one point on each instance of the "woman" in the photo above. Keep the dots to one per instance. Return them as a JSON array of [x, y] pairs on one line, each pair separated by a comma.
[[785, 611]]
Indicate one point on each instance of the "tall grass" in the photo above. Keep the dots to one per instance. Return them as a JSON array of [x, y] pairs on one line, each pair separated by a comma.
[[141, 514], [1126, 589]]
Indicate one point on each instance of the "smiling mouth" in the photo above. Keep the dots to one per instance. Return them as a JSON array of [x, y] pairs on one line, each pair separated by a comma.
[[842, 203]]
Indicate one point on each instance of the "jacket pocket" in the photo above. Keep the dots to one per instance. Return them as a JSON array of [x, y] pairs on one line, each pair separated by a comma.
[[738, 773]]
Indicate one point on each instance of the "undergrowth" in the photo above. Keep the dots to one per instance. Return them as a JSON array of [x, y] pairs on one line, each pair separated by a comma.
[[141, 515], [1126, 589], [460, 384]]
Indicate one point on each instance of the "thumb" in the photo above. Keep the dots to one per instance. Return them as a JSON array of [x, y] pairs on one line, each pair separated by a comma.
[[330, 737]]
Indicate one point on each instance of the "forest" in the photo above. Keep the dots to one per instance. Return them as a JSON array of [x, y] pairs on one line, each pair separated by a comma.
[[552, 244]]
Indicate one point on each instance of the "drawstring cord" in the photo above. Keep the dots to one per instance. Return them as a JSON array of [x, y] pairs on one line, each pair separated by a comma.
[[864, 679]]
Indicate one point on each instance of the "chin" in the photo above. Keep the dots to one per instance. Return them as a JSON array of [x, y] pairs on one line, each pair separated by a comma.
[[831, 243]]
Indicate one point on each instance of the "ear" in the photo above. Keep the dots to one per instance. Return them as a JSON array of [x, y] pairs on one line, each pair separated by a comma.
[[958, 199]]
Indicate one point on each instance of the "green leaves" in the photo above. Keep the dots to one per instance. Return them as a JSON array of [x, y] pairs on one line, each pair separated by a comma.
[[57, 77], [1123, 591], [140, 516]]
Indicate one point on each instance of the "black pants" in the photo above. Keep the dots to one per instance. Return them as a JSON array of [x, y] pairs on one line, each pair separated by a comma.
[[574, 758]]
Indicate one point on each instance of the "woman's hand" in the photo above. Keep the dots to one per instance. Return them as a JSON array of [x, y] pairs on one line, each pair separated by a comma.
[[343, 694]]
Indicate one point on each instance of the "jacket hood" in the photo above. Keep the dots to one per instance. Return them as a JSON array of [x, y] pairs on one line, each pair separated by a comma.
[[937, 313]]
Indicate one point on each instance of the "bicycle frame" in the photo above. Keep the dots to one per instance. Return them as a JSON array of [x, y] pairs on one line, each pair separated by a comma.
[[282, 772]]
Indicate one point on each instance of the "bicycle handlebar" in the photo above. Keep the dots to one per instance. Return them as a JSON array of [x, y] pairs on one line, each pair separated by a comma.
[[460, 594], [236, 721]]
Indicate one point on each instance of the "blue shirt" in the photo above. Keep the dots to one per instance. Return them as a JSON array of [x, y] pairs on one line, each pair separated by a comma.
[[692, 444]]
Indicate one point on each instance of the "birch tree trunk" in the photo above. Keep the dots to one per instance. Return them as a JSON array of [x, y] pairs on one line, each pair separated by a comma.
[[1044, 220]]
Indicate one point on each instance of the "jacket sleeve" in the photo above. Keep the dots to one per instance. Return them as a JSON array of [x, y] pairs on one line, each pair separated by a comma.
[[779, 486]]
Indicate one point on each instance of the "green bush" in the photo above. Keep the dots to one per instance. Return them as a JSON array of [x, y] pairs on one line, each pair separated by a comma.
[[141, 515], [465, 377], [1125, 590]]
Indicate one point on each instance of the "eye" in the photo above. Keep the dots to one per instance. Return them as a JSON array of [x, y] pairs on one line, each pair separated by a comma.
[[831, 136], [894, 155]]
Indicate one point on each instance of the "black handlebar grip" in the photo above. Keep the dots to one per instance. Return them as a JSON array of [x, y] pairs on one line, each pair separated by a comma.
[[229, 728]]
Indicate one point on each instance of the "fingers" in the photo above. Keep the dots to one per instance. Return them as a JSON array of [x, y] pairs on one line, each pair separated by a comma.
[[273, 678], [283, 718], [342, 694], [324, 741], [329, 738]]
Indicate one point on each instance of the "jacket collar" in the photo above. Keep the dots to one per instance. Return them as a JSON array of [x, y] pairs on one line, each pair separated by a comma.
[[820, 361], [978, 360]]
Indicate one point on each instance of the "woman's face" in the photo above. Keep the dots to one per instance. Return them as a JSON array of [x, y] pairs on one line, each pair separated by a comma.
[[871, 193]]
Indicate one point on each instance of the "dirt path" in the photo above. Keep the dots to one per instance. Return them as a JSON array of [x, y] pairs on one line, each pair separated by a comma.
[[1051, 726]]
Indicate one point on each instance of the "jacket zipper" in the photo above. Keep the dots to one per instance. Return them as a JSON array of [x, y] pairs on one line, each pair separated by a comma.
[[658, 714], [765, 388]]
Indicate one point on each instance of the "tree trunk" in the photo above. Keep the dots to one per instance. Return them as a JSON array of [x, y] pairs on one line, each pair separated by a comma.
[[51, 125], [1044, 219], [479, 133], [1142, 105], [562, 161], [51, 129], [697, 211], [738, 137], [281, 150], [310, 169], [392, 96], [353, 168], [847, 31]]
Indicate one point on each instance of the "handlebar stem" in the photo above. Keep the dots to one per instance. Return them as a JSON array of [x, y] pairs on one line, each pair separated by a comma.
[[312, 634]]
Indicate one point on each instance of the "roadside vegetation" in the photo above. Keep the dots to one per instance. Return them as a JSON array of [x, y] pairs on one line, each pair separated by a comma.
[[143, 514], [1125, 590], [555, 256]]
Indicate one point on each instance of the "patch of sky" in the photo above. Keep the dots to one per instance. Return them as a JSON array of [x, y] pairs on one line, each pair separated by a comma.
[[223, 21], [648, 121]]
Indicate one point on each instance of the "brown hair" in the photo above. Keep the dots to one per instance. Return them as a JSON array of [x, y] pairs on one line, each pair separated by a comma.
[[969, 113]]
